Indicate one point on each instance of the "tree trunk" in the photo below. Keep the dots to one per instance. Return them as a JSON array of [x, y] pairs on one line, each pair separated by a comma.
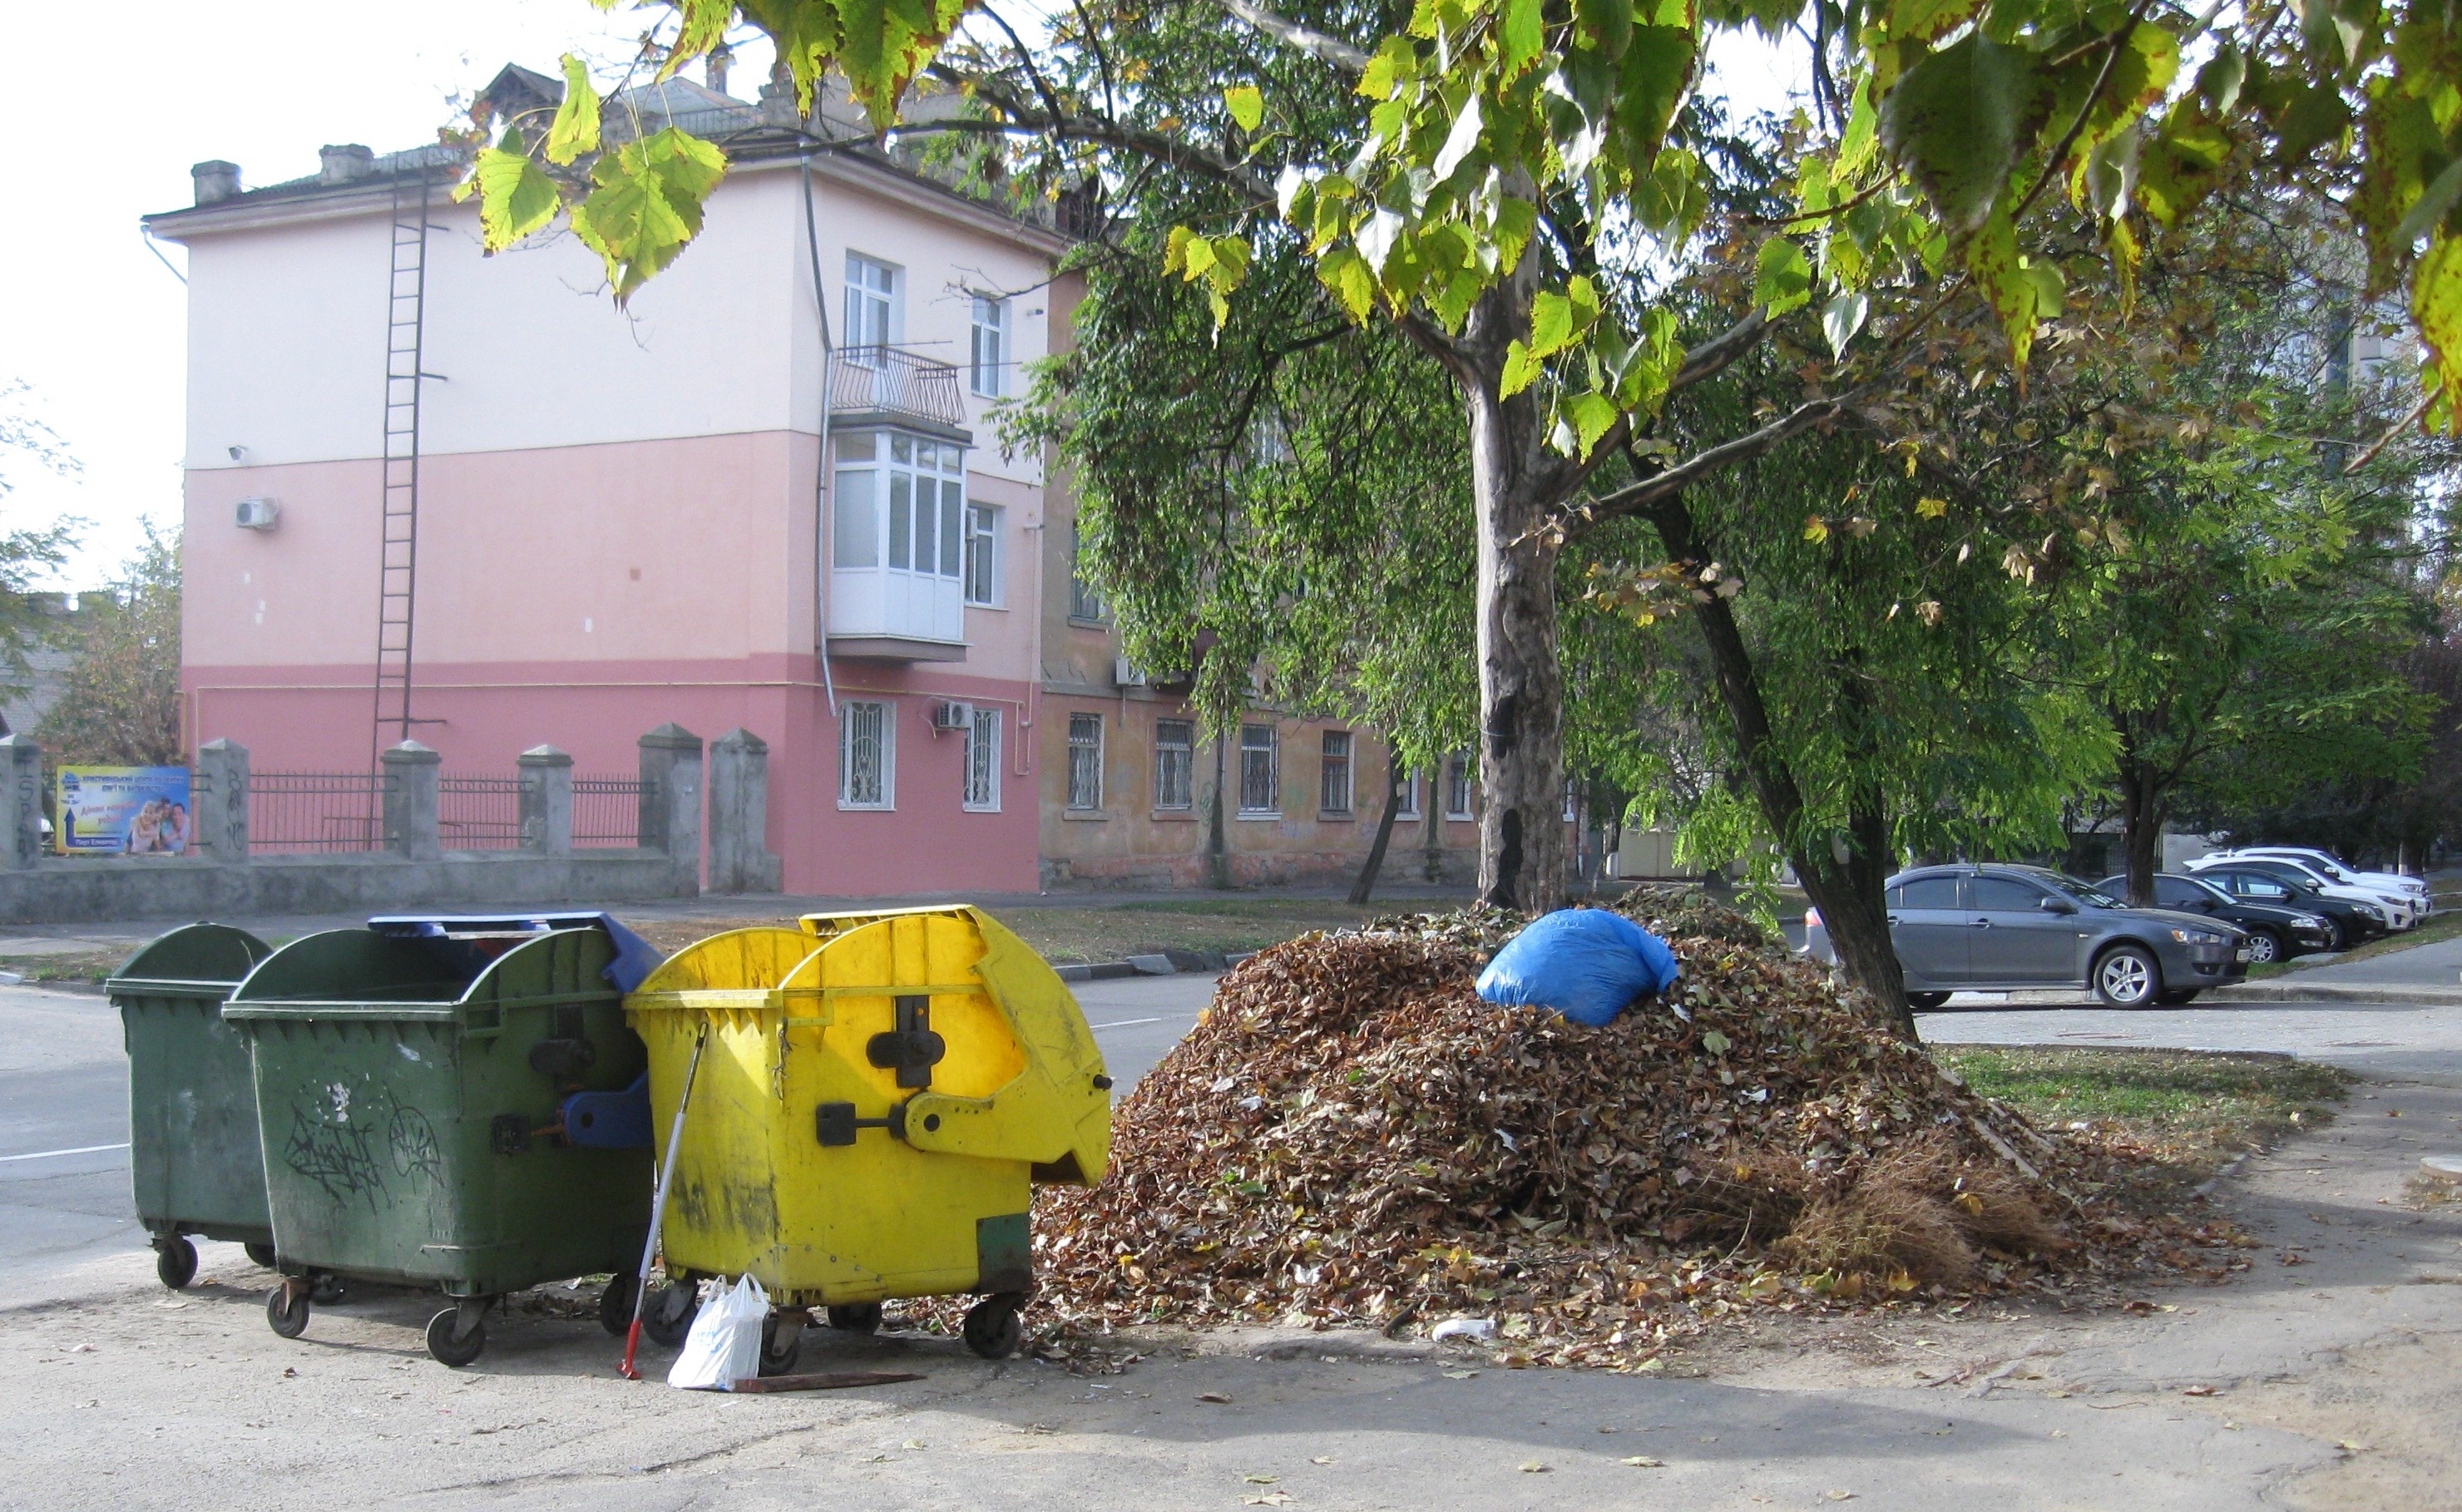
[[1845, 883], [1520, 679], [1376, 862], [1218, 850], [2140, 824]]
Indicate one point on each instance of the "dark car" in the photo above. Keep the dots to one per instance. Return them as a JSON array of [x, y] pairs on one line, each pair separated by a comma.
[[2281, 887], [1996, 928], [2275, 931]]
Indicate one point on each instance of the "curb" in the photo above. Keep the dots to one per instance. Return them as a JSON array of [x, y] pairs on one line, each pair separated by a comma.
[[2332, 992], [1164, 964]]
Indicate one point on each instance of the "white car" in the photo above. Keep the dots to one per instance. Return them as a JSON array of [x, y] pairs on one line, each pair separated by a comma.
[[2402, 909], [2347, 876]]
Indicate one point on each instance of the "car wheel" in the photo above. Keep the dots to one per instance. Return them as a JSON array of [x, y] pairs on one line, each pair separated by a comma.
[[2126, 977], [2264, 947], [1926, 1002]]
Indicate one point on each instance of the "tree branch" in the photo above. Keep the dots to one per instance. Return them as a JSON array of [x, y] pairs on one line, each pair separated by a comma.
[[1023, 114], [1635, 496], [1712, 357], [1318, 45]]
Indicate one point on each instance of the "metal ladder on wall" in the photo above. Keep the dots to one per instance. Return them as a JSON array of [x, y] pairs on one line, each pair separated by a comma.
[[397, 595]]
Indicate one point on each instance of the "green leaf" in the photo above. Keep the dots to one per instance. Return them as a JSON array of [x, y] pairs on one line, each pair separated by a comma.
[[2436, 304], [2431, 208], [1353, 283], [1842, 317], [883, 44], [575, 129], [1460, 142], [1782, 278], [1960, 119], [515, 196], [1521, 35], [1656, 70], [1991, 257], [2181, 162], [1246, 104], [646, 205], [1394, 62], [1521, 369], [1591, 414], [1551, 323], [1716, 1043]]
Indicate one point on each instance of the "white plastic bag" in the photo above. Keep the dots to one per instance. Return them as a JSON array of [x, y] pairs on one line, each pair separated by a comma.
[[724, 1344]]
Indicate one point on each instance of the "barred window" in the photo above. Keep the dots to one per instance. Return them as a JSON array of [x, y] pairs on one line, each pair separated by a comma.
[[1333, 774], [1410, 808], [1260, 780], [1085, 761], [1175, 763], [867, 756], [983, 761]]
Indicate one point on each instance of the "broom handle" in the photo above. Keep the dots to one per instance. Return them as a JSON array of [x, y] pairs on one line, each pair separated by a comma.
[[658, 1203]]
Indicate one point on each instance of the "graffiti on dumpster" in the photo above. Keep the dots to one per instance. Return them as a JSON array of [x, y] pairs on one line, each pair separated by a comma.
[[356, 1152]]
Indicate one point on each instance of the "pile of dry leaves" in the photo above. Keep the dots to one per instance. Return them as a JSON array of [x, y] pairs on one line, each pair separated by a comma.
[[1350, 1135]]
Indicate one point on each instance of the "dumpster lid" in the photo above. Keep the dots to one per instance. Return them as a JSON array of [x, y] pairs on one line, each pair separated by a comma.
[[473, 940], [203, 956]]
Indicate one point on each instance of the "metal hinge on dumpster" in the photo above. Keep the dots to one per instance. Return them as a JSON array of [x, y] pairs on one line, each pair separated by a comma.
[[911, 1050], [835, 1123]]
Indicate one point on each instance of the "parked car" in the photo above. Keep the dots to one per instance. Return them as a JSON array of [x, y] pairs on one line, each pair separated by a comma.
[[2275, 931], [2398, 910], [2255, 881], [1998, 928], [2335, 870]]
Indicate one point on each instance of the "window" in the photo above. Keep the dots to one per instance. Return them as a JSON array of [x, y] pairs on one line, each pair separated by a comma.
[[1175, 763], [1572, 800], [1259, 783], [1457, 785], [904, 492], [1930, 891], [1333, 774], [988, 370], [871, 302], [1083, 603], [867, 755], [1085, 761], [983, 555], [983, 761], [1999, 895], [1410, 808]]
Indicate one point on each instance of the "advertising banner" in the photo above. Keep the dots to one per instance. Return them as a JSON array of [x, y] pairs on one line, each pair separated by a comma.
[[123, 811]]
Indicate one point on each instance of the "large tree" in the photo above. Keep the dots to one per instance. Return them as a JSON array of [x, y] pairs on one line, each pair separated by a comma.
[[119, 704], [1509, 146]]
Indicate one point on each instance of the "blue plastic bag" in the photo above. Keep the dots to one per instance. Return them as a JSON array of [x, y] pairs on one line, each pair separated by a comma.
[[1586, 963]]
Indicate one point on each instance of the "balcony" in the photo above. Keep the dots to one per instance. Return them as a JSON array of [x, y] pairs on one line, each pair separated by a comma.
[[897, 548], [873, 385]]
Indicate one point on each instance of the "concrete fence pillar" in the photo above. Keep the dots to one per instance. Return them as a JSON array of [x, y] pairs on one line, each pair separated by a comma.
[[221, 800], [671, 757], [21, 803], [410, 802], [739, 859], [547, 800]]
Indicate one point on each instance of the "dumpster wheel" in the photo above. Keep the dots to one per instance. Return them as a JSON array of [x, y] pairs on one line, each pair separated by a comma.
[[286, 1310], [857, 1317], [262, 1253], [668, 1316], [453, 1343], [175, 1261], [615, 1303], [992, 1327]]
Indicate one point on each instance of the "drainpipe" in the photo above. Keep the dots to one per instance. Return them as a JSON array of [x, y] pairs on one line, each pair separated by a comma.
[[821, 472]]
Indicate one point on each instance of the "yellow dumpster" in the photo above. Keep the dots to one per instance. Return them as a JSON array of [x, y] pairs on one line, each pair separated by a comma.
[[879, 1096]]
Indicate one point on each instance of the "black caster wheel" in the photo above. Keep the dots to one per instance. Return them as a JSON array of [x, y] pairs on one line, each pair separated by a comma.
[[285, 1310], [668, 1317], [781, 1344], [992, 1329], [329, 1290], [175, 1261], [857, 1317], [451, 1348], [615, 1304], [261, 1254]]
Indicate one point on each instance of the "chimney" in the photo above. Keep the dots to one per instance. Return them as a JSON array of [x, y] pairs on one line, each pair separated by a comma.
[[778, 100], [344, 164], [714, 67], [216, 181]]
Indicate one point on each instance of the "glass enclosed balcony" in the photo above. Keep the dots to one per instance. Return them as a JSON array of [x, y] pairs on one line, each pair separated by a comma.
[[898, 546]]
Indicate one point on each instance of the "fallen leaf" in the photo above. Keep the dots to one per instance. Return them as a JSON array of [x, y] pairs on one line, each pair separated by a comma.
[[2349, 1445], [1646, 1463], [1212, 1396], [1532, 1467], [1840, 1495], [1322, 1460], [2197, 1391], [1261, 1481], [1271, 1499], [1459, 1375]]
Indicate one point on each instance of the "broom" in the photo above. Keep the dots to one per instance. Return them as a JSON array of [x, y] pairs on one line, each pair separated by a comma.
[[659, 1204]]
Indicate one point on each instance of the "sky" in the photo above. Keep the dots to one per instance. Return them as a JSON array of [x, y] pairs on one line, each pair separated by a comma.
[[93, 324]]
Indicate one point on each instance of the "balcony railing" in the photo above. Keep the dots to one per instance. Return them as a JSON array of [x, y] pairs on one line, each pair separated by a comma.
[[894, 381]]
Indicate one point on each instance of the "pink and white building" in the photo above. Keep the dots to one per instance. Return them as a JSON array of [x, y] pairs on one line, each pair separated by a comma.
[[622, 522]]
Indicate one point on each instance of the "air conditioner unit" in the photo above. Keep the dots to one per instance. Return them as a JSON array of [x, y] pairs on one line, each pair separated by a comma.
[[258, 514], [953, 714], [1125, 672]]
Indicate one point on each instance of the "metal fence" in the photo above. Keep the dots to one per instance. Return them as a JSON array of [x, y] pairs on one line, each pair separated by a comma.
[[896, 381], [479, 813], [316, 810], [607, 811]]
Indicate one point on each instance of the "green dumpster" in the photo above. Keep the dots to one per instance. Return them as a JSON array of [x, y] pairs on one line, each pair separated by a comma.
[[194, 1159], [412, 1092]]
